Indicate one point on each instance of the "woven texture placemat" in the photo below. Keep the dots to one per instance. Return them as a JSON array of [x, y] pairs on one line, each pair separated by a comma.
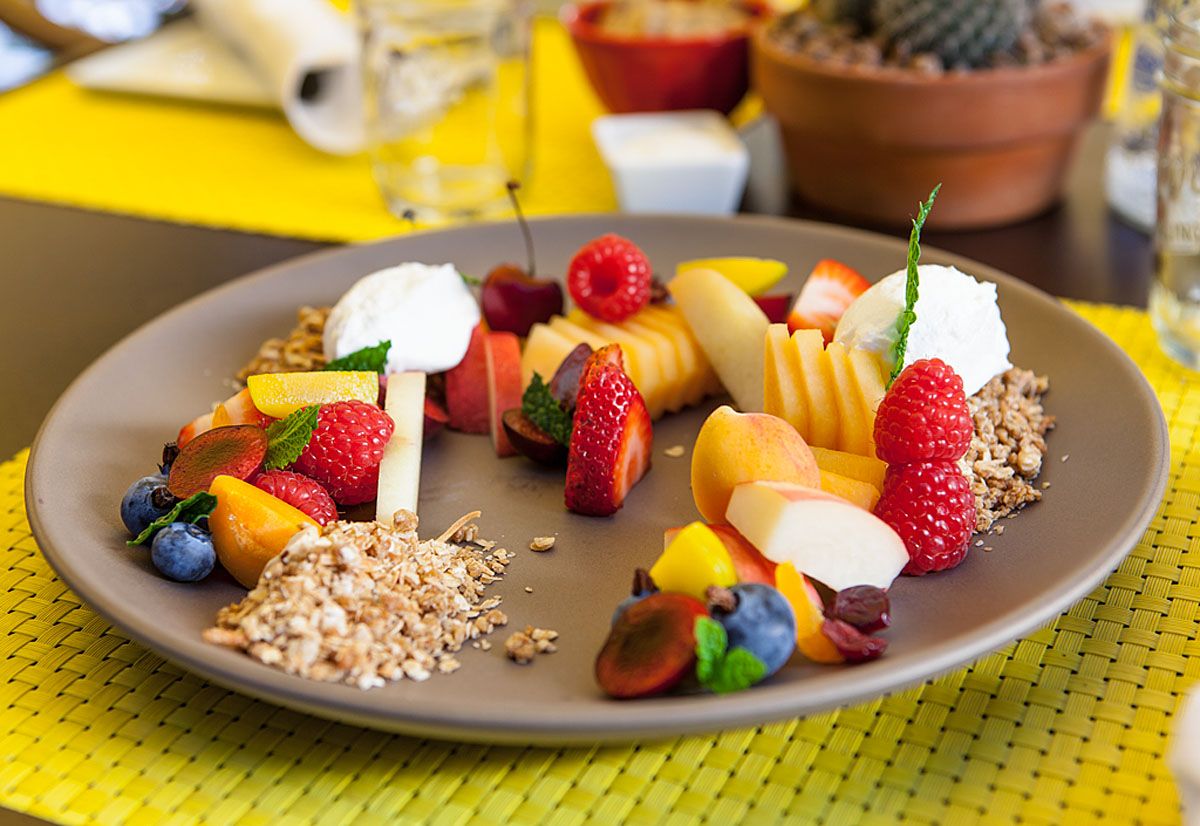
[[1069, 725]]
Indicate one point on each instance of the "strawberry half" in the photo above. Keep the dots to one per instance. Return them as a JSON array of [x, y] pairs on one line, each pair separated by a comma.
[[612, 438], [831, 288]]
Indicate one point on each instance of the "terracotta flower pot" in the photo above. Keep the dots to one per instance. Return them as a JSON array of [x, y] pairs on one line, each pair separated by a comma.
[[870, 143], [654, 74]]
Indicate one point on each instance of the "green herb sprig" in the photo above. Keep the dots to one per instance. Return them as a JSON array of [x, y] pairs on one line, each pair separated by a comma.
[[371, 359], [544, 411], [196, 507], [720, 669], [287, 437], [912, 284]]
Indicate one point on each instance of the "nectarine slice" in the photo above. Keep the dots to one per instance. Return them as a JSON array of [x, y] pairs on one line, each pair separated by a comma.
[[250, 526]]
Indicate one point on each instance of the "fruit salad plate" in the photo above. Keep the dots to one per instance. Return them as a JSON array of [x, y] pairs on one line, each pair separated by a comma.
[[1103, 476]]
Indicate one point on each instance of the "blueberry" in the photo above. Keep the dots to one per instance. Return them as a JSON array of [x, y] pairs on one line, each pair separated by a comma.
[[146, 500], [643, 586], [763, 623], [183, 552]]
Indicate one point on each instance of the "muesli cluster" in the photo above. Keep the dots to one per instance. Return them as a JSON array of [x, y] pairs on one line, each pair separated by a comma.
[[364, 603]]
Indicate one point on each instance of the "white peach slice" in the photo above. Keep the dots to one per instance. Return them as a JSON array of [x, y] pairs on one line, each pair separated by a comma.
[[823, 536]]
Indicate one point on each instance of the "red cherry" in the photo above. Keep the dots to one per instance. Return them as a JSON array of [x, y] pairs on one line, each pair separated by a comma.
[[513, 301]]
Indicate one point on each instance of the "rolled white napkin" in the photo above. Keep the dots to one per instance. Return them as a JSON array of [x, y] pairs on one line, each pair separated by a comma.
[[1185, 757], [306, 52]]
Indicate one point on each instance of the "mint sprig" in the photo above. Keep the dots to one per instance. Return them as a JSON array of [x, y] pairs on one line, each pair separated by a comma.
[[287, 437], [719, 669], [196, 507], [539, 404], [368, 360], [912, 284]]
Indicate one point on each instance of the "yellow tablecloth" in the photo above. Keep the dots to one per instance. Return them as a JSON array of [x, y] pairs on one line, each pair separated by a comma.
[[245, 169], [1067, 726]]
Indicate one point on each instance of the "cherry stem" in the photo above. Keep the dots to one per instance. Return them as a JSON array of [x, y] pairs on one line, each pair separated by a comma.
[[512, 187]]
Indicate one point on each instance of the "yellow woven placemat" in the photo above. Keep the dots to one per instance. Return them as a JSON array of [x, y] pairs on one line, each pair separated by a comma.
[[245, 169], [1068, 725]]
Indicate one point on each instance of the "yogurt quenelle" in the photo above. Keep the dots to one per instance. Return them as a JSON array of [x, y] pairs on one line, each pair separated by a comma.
[[958, 321], [426, 311]]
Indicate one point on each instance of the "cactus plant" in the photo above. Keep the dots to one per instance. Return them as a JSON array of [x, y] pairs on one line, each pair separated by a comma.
[[963, 33]]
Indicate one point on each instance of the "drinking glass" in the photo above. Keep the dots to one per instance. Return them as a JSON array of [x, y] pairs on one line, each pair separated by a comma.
[[1175, 293], [447, 96]]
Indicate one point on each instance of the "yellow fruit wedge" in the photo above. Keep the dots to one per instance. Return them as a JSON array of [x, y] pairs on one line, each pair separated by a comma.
[[278, 394], [810, 615], [250, 526], [669, 362], [649, 371], [693, 561], [853, 436], [544, 351], [862, 468], [754, 275], [852, 490], [816, 376], [697, 369], [783, 395], [870, 376]]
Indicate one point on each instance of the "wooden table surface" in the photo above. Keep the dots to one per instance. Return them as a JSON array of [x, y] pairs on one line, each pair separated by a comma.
[[75, 282]]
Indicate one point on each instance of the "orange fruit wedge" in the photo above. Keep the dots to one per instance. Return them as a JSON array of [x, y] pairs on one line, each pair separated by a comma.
[[278, 394], [250, 526], [810, 615]]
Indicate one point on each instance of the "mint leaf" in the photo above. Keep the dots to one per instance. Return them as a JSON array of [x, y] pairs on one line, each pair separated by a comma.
[[711, 641], [368, 359], [738, 670], [287, 437], [470, 280], [909, 315], [719, 670], [544, 411], [193, 509]]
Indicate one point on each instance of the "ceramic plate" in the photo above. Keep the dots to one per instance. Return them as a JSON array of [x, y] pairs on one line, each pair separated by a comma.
[[109, 426]]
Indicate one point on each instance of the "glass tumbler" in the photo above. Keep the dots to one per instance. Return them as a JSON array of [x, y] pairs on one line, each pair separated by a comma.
[[447, 97], [1175, 293]]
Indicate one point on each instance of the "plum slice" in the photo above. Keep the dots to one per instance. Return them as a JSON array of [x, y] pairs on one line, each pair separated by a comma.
[[651, 647], [236, 450]]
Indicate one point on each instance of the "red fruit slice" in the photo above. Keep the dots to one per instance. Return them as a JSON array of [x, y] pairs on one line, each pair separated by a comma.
[[531, 441], [748, 563], [436, 418], [611, 441], [239, 409], [852, 644], [502, 352], [564, 386], [467, 389], [651, 647], [829, 290], [237, 451], [776, 307]]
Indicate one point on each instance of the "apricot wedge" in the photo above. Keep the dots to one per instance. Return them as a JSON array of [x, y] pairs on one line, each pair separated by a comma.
[[250, 526], [278, 394]]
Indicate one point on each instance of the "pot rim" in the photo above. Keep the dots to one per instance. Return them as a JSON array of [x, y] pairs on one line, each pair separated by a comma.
[[1081, 59], [576, 17]]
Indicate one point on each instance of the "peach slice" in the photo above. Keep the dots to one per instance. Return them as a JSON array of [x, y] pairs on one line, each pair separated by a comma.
[[810, 615], [733, 448], [852, 490], [279, 394], [863, 468], [822, 535], [250, 526], [502, 352]]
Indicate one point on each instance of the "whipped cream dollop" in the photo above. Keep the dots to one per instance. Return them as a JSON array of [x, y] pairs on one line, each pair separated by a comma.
[[426, 311], [958, 321]]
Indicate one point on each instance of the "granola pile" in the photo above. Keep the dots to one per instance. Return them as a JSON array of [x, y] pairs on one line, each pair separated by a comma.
[[301, 351], [1009, 444], [364, 603]]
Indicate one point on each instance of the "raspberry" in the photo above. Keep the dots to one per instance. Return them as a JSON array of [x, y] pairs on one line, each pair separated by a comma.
[[345, 450], [609, 278], [924, 416], [931, 506], [300, 492]]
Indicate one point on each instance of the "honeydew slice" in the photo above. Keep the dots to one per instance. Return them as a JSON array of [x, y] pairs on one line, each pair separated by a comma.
[[544, 351], [817, 379], [853, 436], [674, 379], [651, 382], [400, 468], [783, 395]]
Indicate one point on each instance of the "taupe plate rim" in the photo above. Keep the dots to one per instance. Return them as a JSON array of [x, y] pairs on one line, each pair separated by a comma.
[[508, 719]]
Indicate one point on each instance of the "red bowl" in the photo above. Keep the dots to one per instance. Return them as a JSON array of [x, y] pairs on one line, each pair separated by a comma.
[[655, 74]]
